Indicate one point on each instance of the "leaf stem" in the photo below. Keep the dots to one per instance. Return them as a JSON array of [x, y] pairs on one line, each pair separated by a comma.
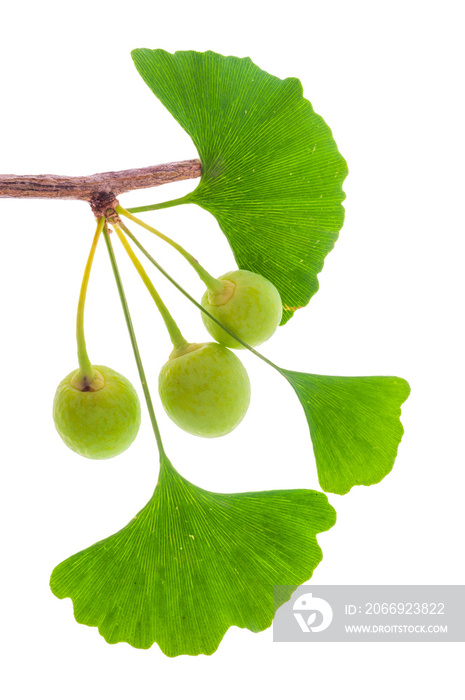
[[214, 285], [175, 334], [85, 365], [162, 205], [132, 335], [196, 303]]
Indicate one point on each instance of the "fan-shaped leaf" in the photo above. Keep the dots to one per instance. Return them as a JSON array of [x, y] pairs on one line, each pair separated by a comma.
[[354, 421], [354, 425], [271, 171], [192, 563]]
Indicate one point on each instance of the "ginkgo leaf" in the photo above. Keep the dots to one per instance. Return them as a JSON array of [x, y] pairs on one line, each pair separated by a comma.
[[271, 172], [354, 425], [354, 421], [192, 563]]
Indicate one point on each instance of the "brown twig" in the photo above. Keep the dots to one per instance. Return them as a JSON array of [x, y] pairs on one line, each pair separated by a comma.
[[99, 190]]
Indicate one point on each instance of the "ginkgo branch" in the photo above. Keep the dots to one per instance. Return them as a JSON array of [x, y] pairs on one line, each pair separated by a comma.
[[101, 189]]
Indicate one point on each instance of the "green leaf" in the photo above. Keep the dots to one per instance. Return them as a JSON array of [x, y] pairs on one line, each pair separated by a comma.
[[354, 421], [271, 171], [354, 425], [192, 563]]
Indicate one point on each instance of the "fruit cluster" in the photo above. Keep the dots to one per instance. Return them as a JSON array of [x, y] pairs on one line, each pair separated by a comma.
[[204, 387]]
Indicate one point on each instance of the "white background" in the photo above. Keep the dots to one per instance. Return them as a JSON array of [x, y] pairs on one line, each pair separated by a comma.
[[388, 79]]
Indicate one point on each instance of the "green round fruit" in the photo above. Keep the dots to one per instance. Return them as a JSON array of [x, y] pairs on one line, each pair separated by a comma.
[[250, 306], [98, 420], [205, 389]]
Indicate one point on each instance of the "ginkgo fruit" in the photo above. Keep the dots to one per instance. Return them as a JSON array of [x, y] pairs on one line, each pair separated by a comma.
[[205, 389], [249, 305], [97, 417]]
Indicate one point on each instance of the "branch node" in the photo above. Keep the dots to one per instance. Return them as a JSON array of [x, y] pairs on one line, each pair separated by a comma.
[[104, 204]]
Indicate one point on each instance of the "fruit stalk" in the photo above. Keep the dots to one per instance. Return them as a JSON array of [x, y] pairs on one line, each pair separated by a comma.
[[175, 334], [86, 371], [135, 348], [212, 284]]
